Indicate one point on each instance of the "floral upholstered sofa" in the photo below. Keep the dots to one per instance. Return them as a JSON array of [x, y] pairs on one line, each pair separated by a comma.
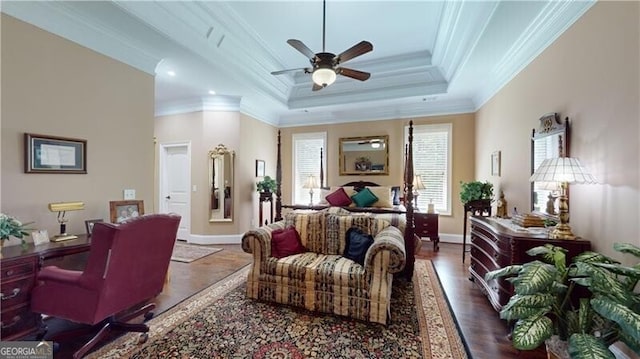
[[320, 276]]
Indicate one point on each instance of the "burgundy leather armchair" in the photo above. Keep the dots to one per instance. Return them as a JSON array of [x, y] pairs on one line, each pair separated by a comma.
[[126, 268]]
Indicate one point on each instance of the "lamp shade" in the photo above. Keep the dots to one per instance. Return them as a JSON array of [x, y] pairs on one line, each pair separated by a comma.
[[562, 169], [324, 76], [417, 182], [310, 182], [66, 206]]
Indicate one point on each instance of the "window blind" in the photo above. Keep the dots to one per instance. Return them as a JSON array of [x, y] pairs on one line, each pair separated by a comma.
[[306, 161], [432, 162]]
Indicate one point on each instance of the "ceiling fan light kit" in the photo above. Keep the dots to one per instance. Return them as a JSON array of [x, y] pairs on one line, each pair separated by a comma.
[[324, 76], [325, 65]]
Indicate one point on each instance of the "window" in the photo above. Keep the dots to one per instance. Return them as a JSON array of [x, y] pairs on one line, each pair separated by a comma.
[[306, 161], [432, 162]]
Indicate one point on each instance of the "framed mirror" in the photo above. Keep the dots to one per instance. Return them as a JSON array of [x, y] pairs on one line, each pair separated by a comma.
[[364, 155], [221, 184], [549, 140]]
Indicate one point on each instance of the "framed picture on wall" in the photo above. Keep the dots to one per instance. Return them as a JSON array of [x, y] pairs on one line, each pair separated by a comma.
[[259, 168], [51, 154], [495, 163]]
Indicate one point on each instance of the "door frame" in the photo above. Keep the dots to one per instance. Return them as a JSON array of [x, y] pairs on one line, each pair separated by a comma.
[[162, 179]]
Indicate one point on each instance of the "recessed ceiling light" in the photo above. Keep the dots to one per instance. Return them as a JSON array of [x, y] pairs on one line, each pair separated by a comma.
[[171, 73], [211, 92]]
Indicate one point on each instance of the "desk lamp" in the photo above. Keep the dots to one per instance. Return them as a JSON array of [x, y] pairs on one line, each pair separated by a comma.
[[310, 183], [62, 208], [563, 170], [417, 185]]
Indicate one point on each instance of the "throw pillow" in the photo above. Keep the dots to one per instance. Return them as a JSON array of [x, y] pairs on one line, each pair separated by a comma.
[[364, 198], [357, 244], [338, 198], [384, 196], [286, 242]]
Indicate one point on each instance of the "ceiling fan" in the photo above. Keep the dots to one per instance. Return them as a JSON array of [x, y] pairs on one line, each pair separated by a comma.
[[325, 66]]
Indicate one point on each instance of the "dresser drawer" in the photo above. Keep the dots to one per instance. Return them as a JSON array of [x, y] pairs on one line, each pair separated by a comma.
[[18, 322], [15, 291], [19, 269]]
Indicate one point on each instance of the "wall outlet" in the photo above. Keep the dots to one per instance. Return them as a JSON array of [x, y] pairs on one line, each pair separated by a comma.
[[129, 194]]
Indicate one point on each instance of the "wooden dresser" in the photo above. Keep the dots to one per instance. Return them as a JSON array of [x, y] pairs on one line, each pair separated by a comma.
[[494, 246], [426, 225], [19, 267]]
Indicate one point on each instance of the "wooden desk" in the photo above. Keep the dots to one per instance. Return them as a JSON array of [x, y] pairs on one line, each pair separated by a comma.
[[19, 267]]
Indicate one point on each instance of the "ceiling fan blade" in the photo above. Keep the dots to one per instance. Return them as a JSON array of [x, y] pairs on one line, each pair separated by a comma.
[[298, 45], [356, 50], [354, 74], [316, 87], [290, 70]]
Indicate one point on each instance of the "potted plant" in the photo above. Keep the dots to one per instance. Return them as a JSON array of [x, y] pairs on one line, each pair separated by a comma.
[[267, 184], [11, 227], [476, 191], [547, 301]]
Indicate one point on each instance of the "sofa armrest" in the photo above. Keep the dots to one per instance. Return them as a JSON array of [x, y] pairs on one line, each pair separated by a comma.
[[260, 238], [389, 239]]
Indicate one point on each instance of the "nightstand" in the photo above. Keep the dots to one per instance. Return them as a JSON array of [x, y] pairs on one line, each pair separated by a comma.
[[426, 225]]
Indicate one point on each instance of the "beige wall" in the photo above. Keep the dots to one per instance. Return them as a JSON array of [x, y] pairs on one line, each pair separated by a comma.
[[463, 156], [248, 138], [590, 74], [55, 87]]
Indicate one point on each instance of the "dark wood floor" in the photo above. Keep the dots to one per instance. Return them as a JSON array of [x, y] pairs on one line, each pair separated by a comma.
[[484, 332]]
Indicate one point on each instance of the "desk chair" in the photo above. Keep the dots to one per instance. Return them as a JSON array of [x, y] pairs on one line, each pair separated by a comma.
[[126, 268]]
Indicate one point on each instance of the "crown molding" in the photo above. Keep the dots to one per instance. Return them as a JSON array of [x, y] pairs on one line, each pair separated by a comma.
[[419, 108], [551, 22], [68, 21], [459, 33]]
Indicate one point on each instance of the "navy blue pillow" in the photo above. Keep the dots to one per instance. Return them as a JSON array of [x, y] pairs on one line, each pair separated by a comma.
[[357, 245]]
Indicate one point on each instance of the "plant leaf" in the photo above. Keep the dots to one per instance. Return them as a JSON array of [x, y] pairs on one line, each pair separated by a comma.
[[593, 257], [627, 319], [586, 346], [627, 248], [530, 333], [524, 306], [502, 272], [534, 277]]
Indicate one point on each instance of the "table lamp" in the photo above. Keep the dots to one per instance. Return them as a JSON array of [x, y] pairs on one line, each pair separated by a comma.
[[310, 183], [417, 185], [563, 170], [62, 208]]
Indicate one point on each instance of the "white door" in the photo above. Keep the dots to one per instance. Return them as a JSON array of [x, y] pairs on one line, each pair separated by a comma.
[[175, 182]]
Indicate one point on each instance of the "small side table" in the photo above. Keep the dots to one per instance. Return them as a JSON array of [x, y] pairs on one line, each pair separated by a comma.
[[426, 225], [266, 197], [480, 208]]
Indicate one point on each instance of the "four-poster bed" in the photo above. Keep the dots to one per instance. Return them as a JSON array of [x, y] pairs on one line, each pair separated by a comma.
[[406, 210]]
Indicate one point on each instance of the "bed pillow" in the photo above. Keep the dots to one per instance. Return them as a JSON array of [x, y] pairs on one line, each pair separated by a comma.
[[384, 196], [357, 244], [338, 198], [364, 198], [286, 242]]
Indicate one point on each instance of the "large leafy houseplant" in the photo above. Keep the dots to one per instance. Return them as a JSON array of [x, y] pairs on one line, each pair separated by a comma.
[[267, 184], [547, 301], [475, 190]]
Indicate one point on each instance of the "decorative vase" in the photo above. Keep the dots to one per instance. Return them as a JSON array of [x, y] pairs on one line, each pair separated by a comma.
[[557, 348]]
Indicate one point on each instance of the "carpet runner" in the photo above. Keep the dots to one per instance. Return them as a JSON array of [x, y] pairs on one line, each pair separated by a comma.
[[188, 253], [219, 322]]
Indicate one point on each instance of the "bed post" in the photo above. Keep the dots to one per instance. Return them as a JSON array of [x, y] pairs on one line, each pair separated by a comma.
[[278, 183], [409, 241], [321, 170]]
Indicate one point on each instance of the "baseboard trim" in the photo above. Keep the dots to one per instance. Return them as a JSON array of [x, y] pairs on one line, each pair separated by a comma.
[[215, 239], [448, 238]]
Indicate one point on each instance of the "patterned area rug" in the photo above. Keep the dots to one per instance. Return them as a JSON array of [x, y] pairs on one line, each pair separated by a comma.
[[190, 252], [220, 322]]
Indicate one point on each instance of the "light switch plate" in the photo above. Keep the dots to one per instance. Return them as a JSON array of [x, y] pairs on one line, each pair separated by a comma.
[[129, 194]]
